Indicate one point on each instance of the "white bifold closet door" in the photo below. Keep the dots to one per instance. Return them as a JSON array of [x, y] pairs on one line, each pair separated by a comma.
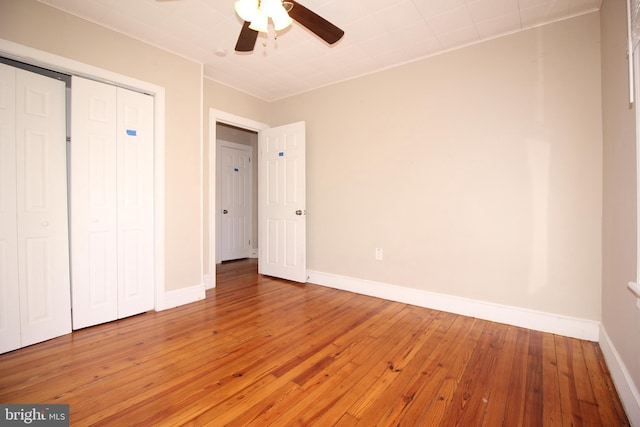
[[111, 202], [34, 255]]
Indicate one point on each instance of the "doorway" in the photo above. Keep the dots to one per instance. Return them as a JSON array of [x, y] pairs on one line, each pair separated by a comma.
[[284, 244], [236, 193], [221, 123]]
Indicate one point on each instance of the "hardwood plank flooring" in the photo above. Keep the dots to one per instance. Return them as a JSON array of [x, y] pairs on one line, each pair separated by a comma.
[[260, 351]]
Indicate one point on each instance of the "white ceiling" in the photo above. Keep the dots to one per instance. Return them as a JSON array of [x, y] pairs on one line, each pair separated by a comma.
[[378, 34]]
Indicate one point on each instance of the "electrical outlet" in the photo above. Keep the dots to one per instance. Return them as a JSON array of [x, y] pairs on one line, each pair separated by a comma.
[[379, 254]]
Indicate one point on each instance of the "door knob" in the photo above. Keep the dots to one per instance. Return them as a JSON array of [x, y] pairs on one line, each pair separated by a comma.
[[224, 211], [298, 212]]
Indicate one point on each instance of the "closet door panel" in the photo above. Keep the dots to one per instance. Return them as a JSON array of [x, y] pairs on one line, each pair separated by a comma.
[[42, 216], [135, 203], [9, 291], [94, 273]]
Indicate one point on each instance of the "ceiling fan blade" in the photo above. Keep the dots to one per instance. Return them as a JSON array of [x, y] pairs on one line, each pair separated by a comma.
[[246, 39], [315, 23]]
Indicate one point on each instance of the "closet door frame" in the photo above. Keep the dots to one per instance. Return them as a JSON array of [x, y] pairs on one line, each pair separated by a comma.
[[60, 64]]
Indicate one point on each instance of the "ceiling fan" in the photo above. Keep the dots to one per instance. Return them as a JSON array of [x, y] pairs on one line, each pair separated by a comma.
[[292, 11]]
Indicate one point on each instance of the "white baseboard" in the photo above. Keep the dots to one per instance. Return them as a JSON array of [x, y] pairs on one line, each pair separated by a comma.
[[182, 296], [516, 316], [625, 387], [208, 283]]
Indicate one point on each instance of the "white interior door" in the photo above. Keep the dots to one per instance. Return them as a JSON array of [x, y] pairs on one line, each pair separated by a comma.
[[235, 200], [135, 202], [42, 215], [111, 202], [9, 291], [94, 271], [282, 202]]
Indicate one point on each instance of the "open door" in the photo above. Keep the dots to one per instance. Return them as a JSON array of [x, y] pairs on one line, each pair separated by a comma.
[[282, 202]]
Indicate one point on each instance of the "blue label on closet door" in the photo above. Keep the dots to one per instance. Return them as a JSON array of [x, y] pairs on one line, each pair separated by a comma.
[[132, 132], [235, 169], [281, 154]]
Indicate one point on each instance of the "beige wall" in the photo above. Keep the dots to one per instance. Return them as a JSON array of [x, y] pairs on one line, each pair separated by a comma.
[[620, 317], [478, 172], [38, 26]]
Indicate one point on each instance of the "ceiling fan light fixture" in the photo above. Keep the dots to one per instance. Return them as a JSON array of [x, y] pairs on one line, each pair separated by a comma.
[[246, 9], [260, 23], [270, 7], [258, 12], [281, 19]]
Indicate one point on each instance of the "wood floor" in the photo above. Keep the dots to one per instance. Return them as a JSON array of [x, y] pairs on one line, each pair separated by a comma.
[[260, 351]]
